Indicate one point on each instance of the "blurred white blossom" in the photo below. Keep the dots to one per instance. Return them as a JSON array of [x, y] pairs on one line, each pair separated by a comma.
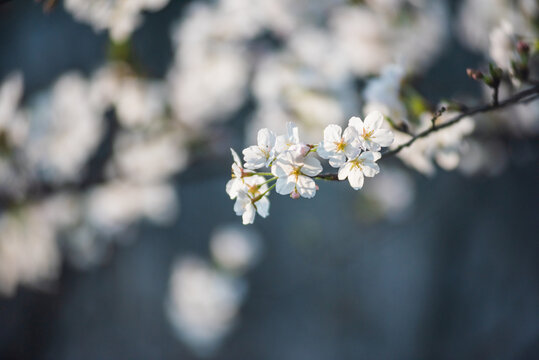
[[478, 18], [65, 129], [202, 304], [119, 17], [445, 146], [382, 93], [29, 253], [114, 206], [13, 123], [235, 248]]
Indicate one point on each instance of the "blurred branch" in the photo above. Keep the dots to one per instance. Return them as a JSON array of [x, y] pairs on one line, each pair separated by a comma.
[[520, 97]]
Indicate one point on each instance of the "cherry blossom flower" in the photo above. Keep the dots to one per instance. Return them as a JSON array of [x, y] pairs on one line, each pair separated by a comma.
[[284, 142], [357, 168], [294, 175], [260, 155], [252, 198], [372, 135], [238, 174], [290, 143], [339, 145]]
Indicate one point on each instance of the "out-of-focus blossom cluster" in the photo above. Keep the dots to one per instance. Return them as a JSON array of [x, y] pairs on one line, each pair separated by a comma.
[[80, 164], [204, 299], [299, 59], [294, 166], [501, 30], [119, 17]]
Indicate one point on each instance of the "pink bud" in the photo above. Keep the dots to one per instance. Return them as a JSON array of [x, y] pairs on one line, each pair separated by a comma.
[[317, 188], [294, 194], [523, 47]]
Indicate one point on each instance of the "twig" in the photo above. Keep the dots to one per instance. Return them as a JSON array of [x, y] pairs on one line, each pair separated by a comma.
[[495, 95], [518, 97]]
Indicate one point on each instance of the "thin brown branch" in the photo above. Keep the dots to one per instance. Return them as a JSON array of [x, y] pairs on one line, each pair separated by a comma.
[[515, 99]]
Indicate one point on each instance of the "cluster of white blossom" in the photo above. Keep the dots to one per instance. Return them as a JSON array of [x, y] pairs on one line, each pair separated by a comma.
[[294, 166], [204, 300]]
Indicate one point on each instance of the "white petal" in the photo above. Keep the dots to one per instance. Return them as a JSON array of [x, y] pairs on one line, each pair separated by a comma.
[[324, 154], [266, 138], [374, 120], [332, 133], [242, 201], [283, 165], [254, 157], [350, 134], [344, 171], [248, 216], [254, 180], [232, 187], [311, 166], [357, 123], [371, 145], [356, 178], [262, 206], [370, 168], [293, 132], [235, 157], [351, 151], [306, 186], [337, 160], [280, 144], [284, 186], [236, 169], [384, 137]]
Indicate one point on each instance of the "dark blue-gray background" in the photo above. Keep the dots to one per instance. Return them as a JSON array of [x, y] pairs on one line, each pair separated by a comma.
[[457, 279]]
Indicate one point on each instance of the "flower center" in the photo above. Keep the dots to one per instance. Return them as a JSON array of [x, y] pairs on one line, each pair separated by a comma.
[[357, 163], [367, 134], [253, 190], [340, 145], [296, 172]]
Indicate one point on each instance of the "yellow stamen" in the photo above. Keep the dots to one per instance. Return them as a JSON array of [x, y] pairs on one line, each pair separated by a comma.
[[296, 172], [357, 163], [253, 189], [366, 135], [341, 145]]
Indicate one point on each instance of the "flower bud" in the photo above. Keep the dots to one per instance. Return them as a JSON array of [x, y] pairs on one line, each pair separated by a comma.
[[294, 194], [496, 72], [475, 74], [523, 48]]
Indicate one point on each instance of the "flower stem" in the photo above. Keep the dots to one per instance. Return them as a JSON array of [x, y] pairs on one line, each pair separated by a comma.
[[263, 174], [268, 181], [328, 177], [265, 192]]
